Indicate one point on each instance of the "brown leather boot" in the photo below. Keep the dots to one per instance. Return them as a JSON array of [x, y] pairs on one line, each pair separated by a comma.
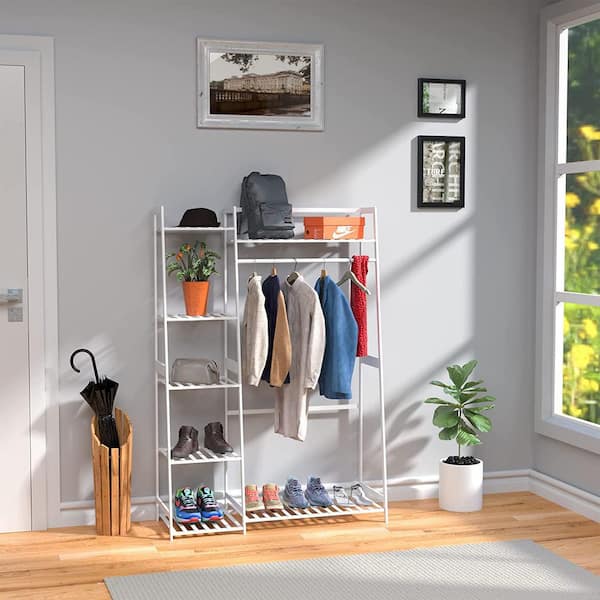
[[187, 443], [214, 440]]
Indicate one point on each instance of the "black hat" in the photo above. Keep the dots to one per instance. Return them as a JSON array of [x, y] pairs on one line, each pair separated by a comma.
[[199, 217]]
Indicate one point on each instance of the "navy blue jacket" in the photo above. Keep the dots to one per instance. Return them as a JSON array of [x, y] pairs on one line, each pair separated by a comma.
[[271, 288], [341, 333]]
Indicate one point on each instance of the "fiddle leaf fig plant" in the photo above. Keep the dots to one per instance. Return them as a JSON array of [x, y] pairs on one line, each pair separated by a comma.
[[460, 417]]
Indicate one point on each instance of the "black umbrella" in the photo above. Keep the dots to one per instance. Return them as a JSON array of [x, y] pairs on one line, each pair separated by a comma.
[[100, 395]]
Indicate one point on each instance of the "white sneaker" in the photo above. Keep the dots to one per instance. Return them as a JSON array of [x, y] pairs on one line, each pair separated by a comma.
[[340, 497], [358, 496]]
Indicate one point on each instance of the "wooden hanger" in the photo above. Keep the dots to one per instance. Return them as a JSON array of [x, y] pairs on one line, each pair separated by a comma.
[[350, 276], [273, 270]]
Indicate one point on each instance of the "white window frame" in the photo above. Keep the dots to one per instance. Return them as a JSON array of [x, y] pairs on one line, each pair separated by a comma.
[[550, 421]]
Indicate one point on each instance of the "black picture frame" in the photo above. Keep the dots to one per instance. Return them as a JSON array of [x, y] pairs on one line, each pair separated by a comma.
[[441, 188], [441, 115]]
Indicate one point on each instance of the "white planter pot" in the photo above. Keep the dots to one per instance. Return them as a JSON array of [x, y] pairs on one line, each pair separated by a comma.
[[461, 487]]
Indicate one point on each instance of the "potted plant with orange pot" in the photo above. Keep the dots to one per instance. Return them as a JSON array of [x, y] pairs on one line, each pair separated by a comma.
[[193, 264]]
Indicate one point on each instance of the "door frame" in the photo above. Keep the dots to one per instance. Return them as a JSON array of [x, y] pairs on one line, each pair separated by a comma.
[[36, 54]]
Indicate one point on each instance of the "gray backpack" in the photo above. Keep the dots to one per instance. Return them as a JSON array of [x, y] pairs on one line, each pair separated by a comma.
[[266, 212]]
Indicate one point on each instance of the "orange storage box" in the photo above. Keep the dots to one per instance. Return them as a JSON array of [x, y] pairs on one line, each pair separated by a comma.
[[334, 228]]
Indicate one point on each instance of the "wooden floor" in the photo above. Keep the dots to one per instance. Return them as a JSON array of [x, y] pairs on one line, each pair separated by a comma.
[[71, 563]]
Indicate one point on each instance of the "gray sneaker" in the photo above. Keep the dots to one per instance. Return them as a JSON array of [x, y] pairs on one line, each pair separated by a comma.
[[292, 495], [316, 493]]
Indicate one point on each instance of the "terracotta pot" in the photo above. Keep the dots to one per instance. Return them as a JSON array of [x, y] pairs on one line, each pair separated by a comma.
[[195, 294]]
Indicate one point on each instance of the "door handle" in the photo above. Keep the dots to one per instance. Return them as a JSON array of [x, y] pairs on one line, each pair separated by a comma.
[[12, 296]]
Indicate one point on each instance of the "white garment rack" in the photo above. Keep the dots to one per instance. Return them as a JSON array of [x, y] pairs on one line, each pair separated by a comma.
[[166, 326], [236, 518]]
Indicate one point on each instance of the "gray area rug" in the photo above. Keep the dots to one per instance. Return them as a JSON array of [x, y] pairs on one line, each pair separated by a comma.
[[496, 570]]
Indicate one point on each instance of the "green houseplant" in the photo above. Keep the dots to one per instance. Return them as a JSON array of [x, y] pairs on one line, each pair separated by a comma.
[[460, 417], [193, 264]]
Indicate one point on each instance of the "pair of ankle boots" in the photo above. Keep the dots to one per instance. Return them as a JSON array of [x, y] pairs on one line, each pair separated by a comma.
[[213, 440]]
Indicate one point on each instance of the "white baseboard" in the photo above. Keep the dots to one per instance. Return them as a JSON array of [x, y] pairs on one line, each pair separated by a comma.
[[143, 508], [495, 482], [406, 488], [565, 495], [416, 488]]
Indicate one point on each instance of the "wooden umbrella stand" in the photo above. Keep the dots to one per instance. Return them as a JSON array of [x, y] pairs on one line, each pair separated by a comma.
[[112, 478]]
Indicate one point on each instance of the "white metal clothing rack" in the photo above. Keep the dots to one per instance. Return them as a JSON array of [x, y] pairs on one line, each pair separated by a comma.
[[166, 390], [236, 518], [319, 257]]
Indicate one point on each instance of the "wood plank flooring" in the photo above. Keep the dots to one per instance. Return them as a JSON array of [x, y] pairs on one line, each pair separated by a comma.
[[71, 563]]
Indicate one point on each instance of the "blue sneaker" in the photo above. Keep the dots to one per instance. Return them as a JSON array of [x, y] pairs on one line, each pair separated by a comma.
[[209, 509], [292, 494], [316, 493], [186, 509]]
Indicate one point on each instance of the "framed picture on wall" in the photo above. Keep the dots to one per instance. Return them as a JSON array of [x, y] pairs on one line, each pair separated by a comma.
[[442, 98], [441, 172], [260, 85]]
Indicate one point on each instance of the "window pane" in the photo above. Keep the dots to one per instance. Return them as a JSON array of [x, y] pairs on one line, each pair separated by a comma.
[[581, 362], [583, 96], [582, 233]]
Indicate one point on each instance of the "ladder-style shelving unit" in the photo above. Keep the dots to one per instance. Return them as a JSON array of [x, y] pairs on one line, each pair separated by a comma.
[[239, 252], [167, 239]]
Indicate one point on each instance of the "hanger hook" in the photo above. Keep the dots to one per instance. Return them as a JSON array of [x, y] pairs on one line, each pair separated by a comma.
[[295, 264], [86, 351]]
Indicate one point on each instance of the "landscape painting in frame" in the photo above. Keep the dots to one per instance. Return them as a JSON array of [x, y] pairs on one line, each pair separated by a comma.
[[441, 172], [260, 85]]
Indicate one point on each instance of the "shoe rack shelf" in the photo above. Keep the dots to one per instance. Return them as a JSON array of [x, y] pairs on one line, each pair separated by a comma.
[[316, 512], [232, 501], [202, 455], [232, 522]]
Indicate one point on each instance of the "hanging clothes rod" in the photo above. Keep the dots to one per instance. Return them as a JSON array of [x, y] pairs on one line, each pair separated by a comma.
[[318, 261]]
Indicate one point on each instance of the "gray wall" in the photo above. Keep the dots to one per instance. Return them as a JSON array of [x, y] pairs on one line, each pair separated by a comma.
[[455, 284], [567, 463]]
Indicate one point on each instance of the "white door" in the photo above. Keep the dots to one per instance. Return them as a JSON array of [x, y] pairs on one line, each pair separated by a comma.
[[15, 433]]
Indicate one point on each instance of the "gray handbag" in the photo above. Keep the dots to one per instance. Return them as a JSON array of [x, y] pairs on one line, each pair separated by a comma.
[[198, 371]]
